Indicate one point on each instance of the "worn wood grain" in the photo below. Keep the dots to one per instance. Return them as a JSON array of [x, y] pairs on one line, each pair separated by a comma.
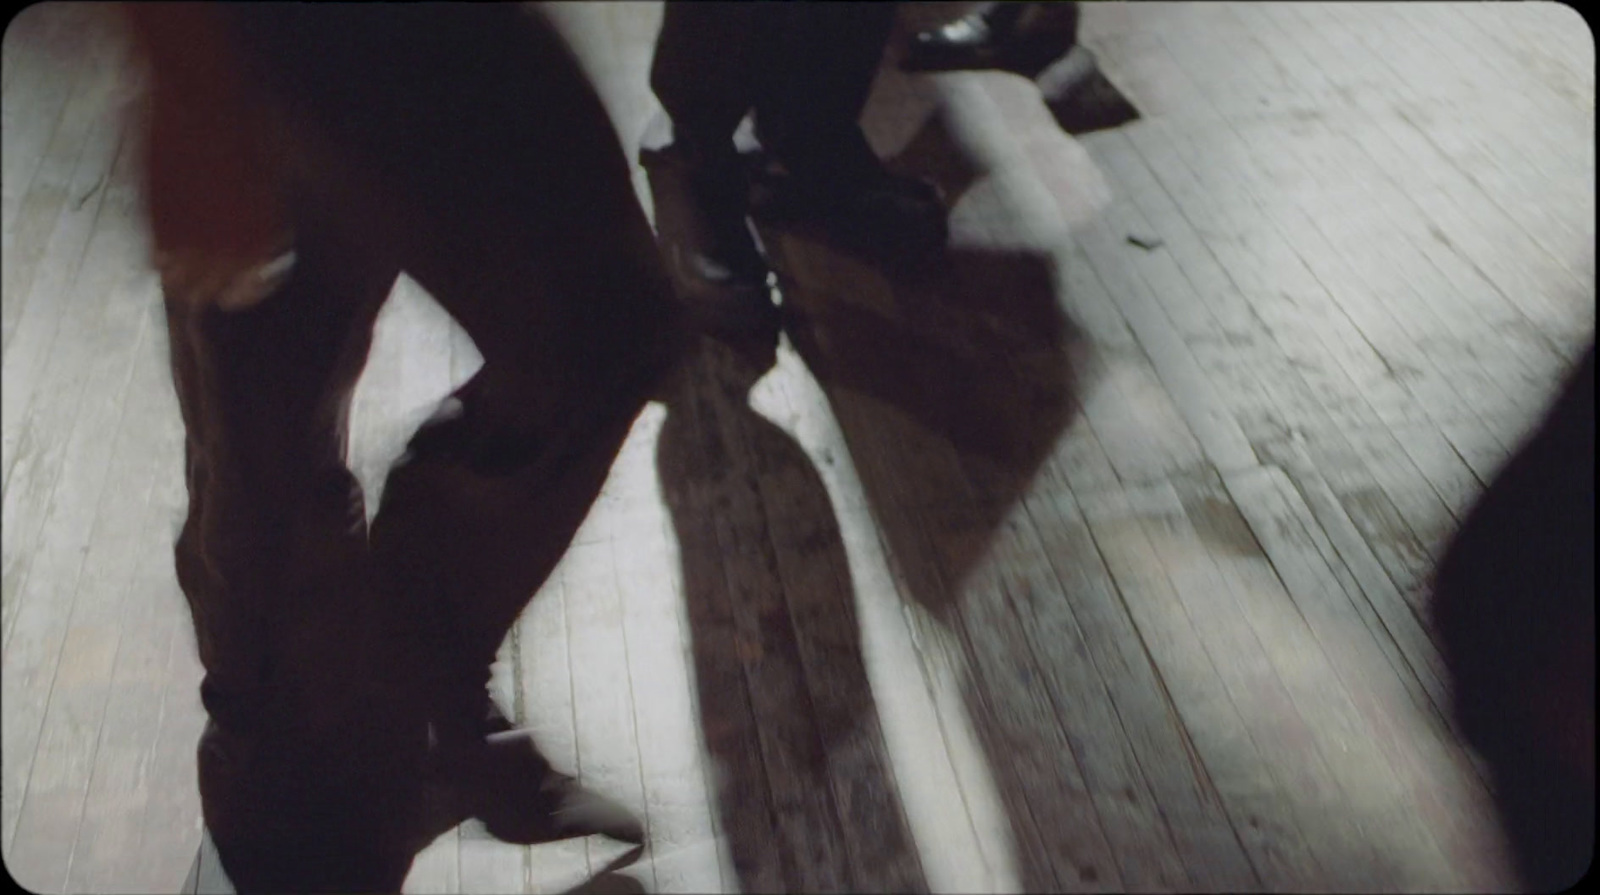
[[1070, 564]]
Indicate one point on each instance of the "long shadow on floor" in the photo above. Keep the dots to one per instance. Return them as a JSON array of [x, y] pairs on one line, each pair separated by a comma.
[[950, 403], [805, 792], [952, 387], [952, 382]]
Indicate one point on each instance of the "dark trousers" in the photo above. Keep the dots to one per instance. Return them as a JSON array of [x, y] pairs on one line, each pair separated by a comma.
[[805, 69], [463, 146]]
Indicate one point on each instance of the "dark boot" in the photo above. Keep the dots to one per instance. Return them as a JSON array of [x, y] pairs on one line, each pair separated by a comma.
[[701, 196], [1011, 36], [852, 198]]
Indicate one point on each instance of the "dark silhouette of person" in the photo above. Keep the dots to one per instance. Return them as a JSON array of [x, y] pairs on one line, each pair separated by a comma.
[[1514, 608]]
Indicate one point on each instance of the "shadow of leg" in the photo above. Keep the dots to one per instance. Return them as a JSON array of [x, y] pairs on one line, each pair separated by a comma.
[[951, 389], [807, 797]]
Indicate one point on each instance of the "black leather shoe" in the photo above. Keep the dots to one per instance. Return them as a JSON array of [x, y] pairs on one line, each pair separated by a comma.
[[1012, 36], [701, 198], [892, 217]]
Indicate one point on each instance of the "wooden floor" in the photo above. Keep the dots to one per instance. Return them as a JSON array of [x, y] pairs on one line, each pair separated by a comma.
[[1071, 564]]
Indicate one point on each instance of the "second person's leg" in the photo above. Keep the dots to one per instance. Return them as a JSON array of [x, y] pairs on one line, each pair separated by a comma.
[[706, 59], [813, 83]]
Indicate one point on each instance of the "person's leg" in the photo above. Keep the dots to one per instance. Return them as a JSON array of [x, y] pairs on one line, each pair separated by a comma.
[[272, 561], [503, 189], [813, 84], [465, 144], [814, 80], [701, 71], [537, 245], [705, 60]]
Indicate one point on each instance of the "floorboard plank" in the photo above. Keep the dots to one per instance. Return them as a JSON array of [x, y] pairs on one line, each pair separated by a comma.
[[73, 456], [1211, 851], [684, 842], [1443, 785], [602, 697], [1371, 784], [821, 629], [544, 679], [1212, 728]]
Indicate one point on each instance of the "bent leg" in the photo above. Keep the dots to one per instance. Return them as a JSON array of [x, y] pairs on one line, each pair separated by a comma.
[[503, 189], [272, 562]]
